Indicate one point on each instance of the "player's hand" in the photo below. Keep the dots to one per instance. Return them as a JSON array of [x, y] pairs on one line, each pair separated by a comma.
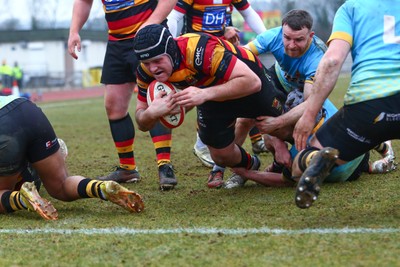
[[190, 97], [163, 104], [267, 124], [283, 157], [74, 41], [231, 34], [303, 130]]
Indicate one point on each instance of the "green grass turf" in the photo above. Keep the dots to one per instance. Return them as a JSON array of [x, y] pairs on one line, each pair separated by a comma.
[[200, 220]]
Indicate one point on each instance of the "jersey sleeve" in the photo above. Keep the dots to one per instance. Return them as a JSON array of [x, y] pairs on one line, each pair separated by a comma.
[[183, 6], [265, 42], [143, 79], [240, 4], [342, 28]]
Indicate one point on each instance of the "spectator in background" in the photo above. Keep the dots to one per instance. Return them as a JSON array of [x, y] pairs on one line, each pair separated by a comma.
[[6, 74], [17, 75]]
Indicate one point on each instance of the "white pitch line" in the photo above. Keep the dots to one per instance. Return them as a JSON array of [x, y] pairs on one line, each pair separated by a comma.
[[64, 104], [202, 231]]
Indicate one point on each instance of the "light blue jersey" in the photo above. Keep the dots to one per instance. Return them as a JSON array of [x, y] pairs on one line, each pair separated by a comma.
[[374, 35], [292, 72], [4, 100]]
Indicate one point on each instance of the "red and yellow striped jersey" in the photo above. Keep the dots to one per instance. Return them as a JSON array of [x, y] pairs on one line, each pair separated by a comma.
[[205, 61], [208, 15], [124, 17]]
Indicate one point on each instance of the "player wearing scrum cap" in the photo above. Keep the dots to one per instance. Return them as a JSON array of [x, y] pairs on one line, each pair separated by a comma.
[[225, 82]]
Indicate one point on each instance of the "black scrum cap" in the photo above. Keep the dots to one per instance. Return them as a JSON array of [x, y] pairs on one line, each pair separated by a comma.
[[154, 40]]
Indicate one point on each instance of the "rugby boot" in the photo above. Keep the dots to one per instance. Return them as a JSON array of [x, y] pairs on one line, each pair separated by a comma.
[[259, 147], [122, 196], [309, 184], [384, 165], [167, 177], [34, 202], [389, 152], [121, 175], [238, 181], [215, 179], [387, 163]]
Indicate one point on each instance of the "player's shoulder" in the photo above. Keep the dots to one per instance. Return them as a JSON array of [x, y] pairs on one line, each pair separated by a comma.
[[270, 38], [191, 44], [319, 44]]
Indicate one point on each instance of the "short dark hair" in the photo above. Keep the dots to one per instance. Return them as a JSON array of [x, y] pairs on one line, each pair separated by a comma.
[[297, 19]]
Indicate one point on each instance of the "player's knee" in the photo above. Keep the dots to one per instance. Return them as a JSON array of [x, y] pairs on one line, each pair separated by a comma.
[[245, 123]]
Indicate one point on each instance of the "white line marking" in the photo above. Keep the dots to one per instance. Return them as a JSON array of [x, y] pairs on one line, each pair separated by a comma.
[[64, 104], [202, 231]]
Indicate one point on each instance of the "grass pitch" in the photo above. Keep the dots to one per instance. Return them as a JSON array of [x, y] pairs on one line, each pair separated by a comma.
[[352, 223]]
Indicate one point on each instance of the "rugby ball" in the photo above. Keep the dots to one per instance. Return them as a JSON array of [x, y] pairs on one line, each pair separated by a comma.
[[155, 87]]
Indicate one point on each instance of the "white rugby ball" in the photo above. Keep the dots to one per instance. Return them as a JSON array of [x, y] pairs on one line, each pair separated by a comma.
[[170, 120]]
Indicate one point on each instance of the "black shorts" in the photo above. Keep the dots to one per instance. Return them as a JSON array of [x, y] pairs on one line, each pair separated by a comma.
[[120, 63], [362, 167], [216, 120], [26, 135], [355, 129]]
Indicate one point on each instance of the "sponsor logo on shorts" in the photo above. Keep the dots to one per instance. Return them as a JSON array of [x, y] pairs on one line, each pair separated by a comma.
[[357, 137], [387, 117], [50, 144], [200, 119], [276, 104]]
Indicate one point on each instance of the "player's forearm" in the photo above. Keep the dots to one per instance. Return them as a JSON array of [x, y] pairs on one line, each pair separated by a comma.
[[145, 119], [327, 74], [267, 178], [242, 82], [292, 116], [234, 89]]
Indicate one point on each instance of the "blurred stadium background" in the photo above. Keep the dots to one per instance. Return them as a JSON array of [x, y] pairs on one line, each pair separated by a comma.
[[35, 33]]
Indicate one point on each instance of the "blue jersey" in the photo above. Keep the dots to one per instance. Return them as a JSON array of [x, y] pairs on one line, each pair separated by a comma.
[[372, 28], [292, 72]]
